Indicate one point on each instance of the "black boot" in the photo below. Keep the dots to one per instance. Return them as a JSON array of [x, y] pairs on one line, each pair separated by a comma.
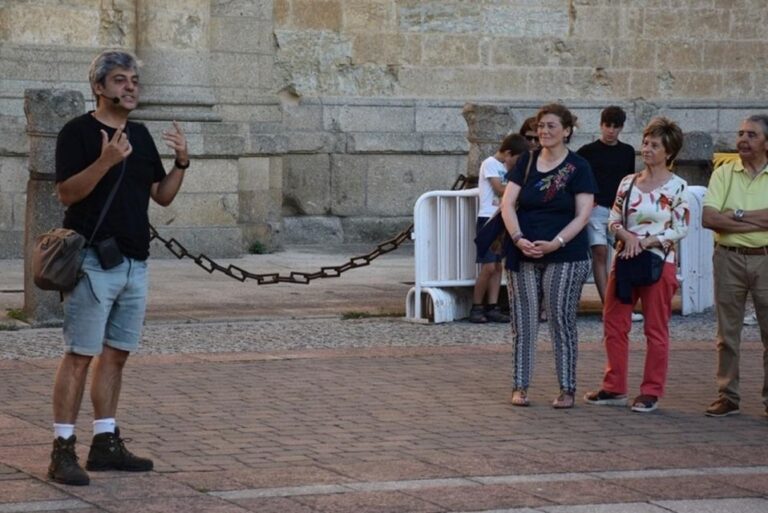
[[64, 467], [108, 452]]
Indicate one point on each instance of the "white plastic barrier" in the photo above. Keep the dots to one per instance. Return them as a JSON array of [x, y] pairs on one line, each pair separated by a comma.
[[695, 259], [445, 268]]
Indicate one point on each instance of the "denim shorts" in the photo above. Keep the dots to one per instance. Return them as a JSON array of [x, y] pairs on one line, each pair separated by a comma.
[[597, 228], [106, 307], [489, 257]]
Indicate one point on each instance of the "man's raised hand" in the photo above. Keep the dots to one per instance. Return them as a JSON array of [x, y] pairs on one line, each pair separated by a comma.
[[115, 150]]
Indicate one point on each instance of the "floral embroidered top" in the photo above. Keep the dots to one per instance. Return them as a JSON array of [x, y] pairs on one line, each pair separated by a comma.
[[663, 212], [547, 203]]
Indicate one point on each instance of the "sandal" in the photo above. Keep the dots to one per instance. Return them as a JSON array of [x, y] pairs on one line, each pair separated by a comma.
[[564, 400], [520, 398]]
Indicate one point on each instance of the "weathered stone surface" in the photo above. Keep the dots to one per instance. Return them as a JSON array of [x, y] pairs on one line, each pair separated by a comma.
[[383, 142], [373, 229], [369, 118], [312, 230], [11, 243], [696, 146], [197, 210], [215, 241], [444, 144], [307, 184], [259, 9]]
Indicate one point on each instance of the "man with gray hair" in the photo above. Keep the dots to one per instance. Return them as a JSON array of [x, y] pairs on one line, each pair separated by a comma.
[[736, 208], [104, 159]]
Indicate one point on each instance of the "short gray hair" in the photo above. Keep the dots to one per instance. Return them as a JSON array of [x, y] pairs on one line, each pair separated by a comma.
[[108, 60], [762, 119]]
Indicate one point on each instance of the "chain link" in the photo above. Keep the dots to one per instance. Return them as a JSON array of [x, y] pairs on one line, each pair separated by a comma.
[[179, 251]]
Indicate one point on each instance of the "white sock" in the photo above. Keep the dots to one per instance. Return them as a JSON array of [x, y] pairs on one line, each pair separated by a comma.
[[63, 430], [103, 426]]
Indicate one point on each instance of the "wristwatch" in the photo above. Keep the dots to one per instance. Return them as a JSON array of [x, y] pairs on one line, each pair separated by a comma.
[[738, 214]]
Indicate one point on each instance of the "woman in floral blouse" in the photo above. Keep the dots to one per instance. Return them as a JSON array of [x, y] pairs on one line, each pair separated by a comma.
[[657, 217], [553, 189]]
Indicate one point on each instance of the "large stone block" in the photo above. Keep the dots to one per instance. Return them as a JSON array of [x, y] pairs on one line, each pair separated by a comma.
[[598, 22], [65, 24], [373, 229], [306, 115], [455, 82], [691, 118], [209, 175], [315, 15], [364, 118], [316, 142], [388, 49], [394, 183], [696, 146], [440, 119], [11, 244], [307, 184], [682, 56], [448, 143], [383, 142], [197, 210], [259, 9], [361, 15], [13, 174], [312, 230], [349, 179], [260, 173], [520, 52], [245, 35], [213, 241], [451, 50]]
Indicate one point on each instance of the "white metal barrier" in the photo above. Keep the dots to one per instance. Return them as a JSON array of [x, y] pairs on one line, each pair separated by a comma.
[[445, 268]]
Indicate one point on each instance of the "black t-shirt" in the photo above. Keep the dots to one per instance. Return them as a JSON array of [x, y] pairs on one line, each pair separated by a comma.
[[547, 203], [609, 165], [77, 147]]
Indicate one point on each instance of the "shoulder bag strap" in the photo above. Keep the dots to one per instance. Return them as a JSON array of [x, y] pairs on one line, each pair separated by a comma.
[[111, 197]]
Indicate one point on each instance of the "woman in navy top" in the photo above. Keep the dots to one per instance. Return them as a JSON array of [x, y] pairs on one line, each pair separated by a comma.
[[551, 250]]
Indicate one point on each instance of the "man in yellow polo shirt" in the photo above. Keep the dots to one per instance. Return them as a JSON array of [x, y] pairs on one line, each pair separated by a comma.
[[736, 208]]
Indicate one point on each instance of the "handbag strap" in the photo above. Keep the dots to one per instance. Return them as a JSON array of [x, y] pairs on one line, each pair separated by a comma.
[[110, 198], [528, 167]]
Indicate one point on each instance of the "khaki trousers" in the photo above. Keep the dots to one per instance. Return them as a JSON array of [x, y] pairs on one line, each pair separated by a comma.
[[735, 276]]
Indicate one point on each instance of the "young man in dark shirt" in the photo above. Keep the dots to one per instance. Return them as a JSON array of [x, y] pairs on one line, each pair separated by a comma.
[[104, 314], [611, 160]]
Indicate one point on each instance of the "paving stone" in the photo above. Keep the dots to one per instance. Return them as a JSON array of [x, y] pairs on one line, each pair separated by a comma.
[[374, 502], [717, 506]]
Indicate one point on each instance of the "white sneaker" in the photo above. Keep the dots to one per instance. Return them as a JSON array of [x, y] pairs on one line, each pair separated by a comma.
[[750, 320], [637, 317]]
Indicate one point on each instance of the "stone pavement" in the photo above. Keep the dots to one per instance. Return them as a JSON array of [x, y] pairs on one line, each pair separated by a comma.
[[266, 400]]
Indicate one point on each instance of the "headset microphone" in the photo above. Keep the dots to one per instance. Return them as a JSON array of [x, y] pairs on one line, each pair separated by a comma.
[[115, 100]]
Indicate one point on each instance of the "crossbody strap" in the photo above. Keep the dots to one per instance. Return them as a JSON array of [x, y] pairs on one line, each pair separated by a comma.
[[110, 198]]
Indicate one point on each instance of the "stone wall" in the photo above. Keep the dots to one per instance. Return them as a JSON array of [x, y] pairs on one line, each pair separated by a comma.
[[324, 120]]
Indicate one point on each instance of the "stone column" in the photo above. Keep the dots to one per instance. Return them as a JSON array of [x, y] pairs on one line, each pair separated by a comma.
[[173, 45], [487, 125], [47, 110]]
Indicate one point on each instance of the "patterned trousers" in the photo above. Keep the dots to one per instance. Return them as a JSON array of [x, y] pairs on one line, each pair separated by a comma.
[[560, 284]]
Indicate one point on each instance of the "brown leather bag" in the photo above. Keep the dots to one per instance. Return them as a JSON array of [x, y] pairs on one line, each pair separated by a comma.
[[57, 259]]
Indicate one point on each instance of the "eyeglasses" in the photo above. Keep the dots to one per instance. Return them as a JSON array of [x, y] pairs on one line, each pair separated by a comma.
[[531, 138]]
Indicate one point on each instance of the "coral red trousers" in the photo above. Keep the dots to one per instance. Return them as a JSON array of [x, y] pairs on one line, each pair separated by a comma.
[[617, 323]]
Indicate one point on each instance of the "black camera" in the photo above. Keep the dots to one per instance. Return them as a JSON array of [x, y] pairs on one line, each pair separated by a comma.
[[109, 253]]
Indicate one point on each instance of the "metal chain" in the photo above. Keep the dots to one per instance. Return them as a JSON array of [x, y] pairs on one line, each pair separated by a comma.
[[240, 274]]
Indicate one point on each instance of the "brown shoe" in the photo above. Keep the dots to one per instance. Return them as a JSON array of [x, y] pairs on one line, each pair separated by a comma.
[[722, 408]]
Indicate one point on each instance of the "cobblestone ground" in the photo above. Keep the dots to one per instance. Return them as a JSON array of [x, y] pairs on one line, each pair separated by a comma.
[[381, 415]]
